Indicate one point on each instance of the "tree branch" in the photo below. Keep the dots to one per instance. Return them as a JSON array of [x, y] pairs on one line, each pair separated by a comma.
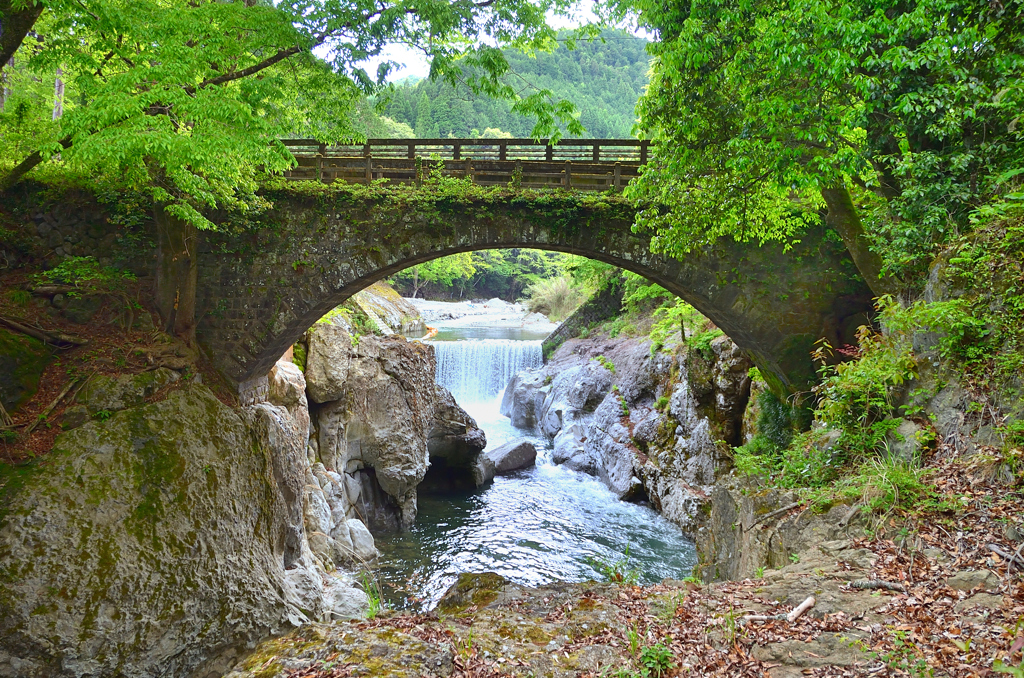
[[14, 26]]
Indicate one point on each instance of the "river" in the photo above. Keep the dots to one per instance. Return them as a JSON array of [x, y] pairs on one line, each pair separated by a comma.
[[535, 526]]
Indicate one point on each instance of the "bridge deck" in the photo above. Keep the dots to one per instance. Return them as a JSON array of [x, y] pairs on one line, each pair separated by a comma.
[[580, 164]]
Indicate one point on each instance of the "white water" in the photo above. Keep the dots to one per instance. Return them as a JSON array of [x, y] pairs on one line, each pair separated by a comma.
[[477, 370]]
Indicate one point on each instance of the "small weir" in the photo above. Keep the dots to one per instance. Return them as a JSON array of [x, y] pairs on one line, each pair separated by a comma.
[[476, 370], [535, 526]]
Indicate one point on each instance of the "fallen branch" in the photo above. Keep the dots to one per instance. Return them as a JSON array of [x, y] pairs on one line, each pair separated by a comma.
[[1013, 558], [784, 616], [769, 516], [50, 290], [800, 609], [875, 584], [849, 515], [57, 339], [45, 413], [5, 419]]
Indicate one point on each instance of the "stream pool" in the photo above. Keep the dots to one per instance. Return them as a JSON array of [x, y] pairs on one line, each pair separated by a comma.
[[538, 525]]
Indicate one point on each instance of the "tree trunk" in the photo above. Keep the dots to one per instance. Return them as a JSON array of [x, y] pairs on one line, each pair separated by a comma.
[[5, 93], [15, 25], [26, 165], [842, 216], [177, 274], [58, 95]]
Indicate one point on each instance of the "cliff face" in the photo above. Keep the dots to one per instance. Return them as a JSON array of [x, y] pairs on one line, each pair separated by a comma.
[[648, 425], [380, 420], [165, 540]]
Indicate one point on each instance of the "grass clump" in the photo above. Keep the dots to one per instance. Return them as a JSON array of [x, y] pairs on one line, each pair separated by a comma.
[[556, 298], [616, 571]]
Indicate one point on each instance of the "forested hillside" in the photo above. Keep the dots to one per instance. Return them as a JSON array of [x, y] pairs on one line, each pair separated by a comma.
[[604, 78]]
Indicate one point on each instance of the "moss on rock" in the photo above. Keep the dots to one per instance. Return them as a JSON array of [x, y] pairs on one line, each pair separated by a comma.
[[22, 362]]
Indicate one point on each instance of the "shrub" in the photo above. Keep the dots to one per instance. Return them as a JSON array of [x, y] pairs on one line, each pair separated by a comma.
[[556, 298]]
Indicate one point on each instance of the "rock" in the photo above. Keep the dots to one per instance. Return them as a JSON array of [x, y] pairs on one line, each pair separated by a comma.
[[382, 302], [22, 362], [454, 435], [304, 589], [163, 550], [523, 398], [344, 602], [382, 410], [504, 459], [969, 580], [316, 510], [986, 601], [377, 651], [74, 416], [828, 649], [111, 394], [287, 388], [570, 451], [323, 548], [906, 442], [472, 589], [363, 549], [81, 310]]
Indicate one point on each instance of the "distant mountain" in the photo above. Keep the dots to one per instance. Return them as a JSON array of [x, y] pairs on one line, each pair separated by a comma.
[[603, 79]]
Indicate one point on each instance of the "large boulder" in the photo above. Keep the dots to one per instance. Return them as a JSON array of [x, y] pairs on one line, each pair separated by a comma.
[[524, 397], [145, 545], [165, 540], [127, 390], [381, 417], [511, 456], [22, 362]]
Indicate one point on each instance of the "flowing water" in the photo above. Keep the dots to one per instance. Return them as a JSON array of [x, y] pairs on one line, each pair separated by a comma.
[[535, 526]]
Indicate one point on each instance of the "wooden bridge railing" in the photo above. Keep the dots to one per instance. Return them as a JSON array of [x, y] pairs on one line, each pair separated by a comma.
[[581, 164]]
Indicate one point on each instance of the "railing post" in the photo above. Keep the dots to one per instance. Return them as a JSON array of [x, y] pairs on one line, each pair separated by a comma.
[[567, 179], [502, 151], [456, 151], [618, 176], [320, 167], [366, 150], [369, 169], [549, 152], [643, 151], [322, 149], [597, 152], [469, 171], [412, 151]]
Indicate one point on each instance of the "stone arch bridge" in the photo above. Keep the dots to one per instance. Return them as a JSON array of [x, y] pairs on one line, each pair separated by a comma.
[[261, 286]]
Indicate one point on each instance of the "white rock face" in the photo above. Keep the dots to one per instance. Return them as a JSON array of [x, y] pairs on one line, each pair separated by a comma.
[[378, 408], [363, 548], [615, 425], [342, 601]]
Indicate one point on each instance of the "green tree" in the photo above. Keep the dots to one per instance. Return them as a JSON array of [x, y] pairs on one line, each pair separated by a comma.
[[444, 271], [185, 98], [890, 120], [424, 120]]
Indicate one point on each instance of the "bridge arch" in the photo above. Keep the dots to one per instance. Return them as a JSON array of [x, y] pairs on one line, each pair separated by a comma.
[[264, 285]]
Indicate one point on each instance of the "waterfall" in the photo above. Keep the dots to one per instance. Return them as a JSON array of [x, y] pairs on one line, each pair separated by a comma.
[[476, 370]]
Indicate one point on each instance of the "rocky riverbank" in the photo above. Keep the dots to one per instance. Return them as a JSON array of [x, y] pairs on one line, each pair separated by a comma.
[[167, 532], [653, 426]]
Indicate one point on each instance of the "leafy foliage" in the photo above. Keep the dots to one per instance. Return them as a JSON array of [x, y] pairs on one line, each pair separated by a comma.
[[87, 276], [185, 100], [759, 110]]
